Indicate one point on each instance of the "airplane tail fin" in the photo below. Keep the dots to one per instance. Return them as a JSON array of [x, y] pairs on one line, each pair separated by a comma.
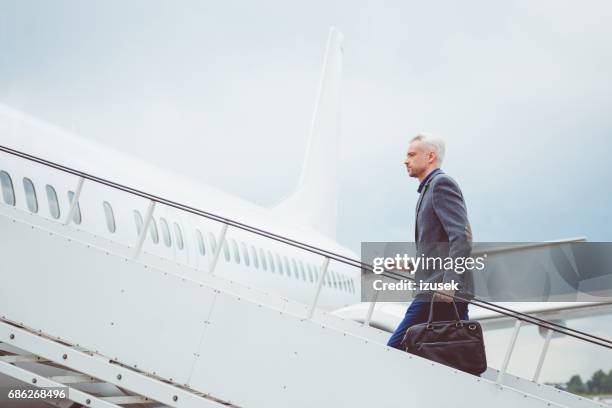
[[315, 200]]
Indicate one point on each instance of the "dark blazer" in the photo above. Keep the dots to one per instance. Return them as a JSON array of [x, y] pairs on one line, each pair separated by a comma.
[[442, 230]]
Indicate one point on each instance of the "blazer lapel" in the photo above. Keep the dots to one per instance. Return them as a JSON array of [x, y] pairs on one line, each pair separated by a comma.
[[418, 206], [416, 218]]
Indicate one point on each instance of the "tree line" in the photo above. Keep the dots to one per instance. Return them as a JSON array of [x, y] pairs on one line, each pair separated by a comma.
[[600, 383]]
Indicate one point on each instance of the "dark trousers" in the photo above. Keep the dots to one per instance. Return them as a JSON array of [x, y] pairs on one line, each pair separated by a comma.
[[418, 312]]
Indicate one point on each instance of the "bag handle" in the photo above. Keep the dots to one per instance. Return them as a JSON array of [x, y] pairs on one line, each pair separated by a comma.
[[431, 306]]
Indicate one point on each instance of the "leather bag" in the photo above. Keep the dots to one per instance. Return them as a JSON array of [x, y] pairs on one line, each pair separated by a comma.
[[457, 344]]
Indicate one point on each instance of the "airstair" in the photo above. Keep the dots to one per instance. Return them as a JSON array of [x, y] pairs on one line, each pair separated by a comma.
[[115, 326]]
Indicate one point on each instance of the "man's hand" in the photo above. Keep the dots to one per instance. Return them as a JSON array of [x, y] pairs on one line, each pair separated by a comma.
[[444, 296]]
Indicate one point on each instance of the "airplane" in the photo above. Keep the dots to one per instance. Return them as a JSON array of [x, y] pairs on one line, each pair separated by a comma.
[[308, 214]]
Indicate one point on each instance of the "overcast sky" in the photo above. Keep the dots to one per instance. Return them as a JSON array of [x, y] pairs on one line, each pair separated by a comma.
[[224, 92]]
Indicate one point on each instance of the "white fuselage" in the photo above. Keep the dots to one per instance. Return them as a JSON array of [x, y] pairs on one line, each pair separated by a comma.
[[175, 235]]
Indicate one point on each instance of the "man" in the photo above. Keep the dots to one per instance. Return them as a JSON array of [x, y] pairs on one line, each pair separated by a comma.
[[441, 230]]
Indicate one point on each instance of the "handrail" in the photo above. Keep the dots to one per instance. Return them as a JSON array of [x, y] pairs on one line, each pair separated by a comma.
[[310, 248], [545, 322]]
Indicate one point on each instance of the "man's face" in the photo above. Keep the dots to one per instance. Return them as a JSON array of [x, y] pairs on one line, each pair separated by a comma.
[[417, 159]]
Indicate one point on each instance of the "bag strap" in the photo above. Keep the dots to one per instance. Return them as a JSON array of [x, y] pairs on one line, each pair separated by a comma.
[[431, 306]]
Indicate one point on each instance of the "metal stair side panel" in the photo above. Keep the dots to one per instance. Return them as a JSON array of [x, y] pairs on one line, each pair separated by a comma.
[[140, 316], [275, 360]]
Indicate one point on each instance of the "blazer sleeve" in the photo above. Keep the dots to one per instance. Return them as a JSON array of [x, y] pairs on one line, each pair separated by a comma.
[[450, 209]]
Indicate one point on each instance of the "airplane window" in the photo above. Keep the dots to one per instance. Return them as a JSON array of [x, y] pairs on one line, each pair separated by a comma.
[[279, 264], [254, 256], [138, 221], [245, 253], [335, 279], [30, 193], [315, 273], [235, 251], [271, 262], [294, 269], [179, 236], [154, 232], [110, 217], [287, 268], [8, 193], [76, 214], [262, 258], [165, 232], [213, 242], [201, 244], [54, 207], [309, 267], [327, 281], [226, 253], [302, 271]]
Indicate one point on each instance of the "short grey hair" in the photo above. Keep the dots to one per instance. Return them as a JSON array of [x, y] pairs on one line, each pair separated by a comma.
[[436, 144]]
